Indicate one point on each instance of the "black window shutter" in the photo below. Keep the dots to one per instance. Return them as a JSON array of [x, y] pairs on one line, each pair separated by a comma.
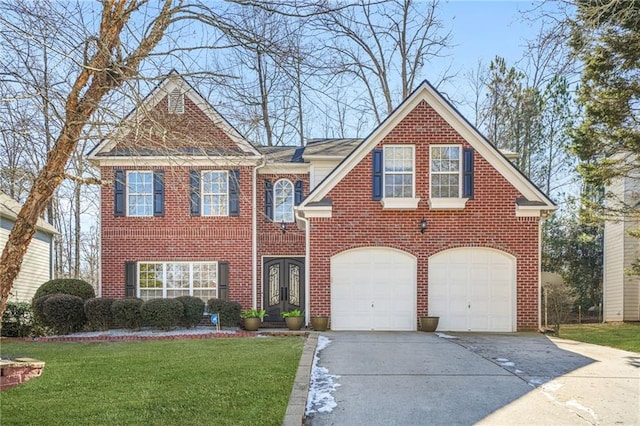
[[377, 174], [130, 279], [158, 193], [299, 192], [234, 192], [467, 173], [194, 192], [223, 280], [119, 193], [268, 200]]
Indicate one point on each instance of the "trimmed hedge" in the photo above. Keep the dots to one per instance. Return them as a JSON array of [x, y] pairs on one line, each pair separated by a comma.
[[64, 313], [72, 286], [37, 307], [162, 313], [229, 311], [193, 308], [98, 312], [17, 320], [126, 313]]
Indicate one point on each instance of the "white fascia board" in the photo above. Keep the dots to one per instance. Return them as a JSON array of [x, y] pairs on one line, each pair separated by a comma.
[[284, 168], [529, 211], [176, 161], [315, 211]]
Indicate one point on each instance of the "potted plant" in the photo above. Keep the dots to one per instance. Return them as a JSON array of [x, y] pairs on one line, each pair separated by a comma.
[[252, 318], [294, 319], [319, 323], [429, 323]]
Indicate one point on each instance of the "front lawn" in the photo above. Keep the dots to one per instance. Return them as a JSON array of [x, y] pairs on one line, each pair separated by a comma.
[[188, 382], [617, 335]]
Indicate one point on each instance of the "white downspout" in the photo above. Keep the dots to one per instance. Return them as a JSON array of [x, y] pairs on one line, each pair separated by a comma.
[[254, 237], [307, 270]]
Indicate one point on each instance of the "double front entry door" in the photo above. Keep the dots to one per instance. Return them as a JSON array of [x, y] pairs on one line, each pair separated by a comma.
[[283, 285]]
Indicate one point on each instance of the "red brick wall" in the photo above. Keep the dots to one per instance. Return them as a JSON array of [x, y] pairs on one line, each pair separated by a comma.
[[271, 240], [177, 236], [487, 221]]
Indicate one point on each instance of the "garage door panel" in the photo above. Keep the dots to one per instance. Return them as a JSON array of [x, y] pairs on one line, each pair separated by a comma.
[[472, 288], [380, 282]]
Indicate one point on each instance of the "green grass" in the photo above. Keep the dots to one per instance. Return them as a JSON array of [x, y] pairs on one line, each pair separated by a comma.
[[187, 382], [617, 335]]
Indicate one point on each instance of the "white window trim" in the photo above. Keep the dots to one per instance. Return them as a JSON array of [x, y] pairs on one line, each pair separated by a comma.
[[399, 203], [127, 193], [293, 201], [164, 276], [448, 203], [202, 193]]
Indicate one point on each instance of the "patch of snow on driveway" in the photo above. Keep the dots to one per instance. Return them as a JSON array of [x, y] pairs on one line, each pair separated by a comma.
[[321, 387], [445, 336]]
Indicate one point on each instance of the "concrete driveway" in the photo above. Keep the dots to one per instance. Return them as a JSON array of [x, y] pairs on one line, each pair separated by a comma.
[[414, 378]]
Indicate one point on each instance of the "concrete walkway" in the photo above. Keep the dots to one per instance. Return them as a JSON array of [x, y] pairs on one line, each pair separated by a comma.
[[418, 378]]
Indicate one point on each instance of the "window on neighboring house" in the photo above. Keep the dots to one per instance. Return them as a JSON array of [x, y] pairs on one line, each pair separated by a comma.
[[139, 193], [176, 102], [398, 171], [174, 279], [446, 171], [283, 201], [215, 193]]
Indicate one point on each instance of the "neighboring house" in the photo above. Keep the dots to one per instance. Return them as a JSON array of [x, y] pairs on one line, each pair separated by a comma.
[[621, 291], [37, 266], [424, 216]]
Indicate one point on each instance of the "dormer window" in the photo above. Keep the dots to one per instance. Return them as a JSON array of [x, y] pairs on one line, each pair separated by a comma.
[[176, 102]]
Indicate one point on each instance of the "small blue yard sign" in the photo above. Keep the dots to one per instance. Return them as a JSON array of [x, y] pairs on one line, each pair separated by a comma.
[[214, 319]]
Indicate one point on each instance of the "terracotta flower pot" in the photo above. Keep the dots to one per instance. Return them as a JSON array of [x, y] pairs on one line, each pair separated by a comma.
[[319, 323], [429, 323], [294, 323]]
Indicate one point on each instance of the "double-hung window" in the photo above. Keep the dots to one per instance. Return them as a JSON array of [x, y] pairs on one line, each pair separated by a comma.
[[215, 193], [283, 201], [398, 171], [139, 193], [446, 170], [174, 279]]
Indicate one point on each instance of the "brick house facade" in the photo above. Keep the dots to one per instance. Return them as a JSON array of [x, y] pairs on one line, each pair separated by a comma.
[[422, 217]]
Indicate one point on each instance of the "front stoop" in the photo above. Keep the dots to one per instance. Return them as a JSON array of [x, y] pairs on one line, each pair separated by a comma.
[[15, 372], [294, 415]]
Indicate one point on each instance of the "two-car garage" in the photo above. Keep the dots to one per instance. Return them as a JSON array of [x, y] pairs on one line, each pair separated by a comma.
[[470, 289]]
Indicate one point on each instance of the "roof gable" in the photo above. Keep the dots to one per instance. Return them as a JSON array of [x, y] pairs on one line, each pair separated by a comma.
[[427, 93], [10, 208], [150, 130]]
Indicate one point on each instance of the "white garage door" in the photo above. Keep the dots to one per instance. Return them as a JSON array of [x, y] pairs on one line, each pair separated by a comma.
[[373, 289], [473, 289]]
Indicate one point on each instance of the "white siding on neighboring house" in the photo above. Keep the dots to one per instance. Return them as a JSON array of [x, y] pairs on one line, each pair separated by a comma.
[[36, 266], [621, 291]]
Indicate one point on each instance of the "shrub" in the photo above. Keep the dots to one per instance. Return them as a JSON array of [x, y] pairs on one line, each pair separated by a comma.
[[162, 313], [193, 308], [229, 311], [560, 298], [98, 312], [71, 286], [17, 320], [64, 313], [37, 307], [126, 313]]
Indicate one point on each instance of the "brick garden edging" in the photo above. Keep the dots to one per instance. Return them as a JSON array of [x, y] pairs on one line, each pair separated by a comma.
[[16, 372]]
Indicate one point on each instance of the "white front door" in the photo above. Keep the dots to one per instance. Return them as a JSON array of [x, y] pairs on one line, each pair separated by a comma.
[[373, 288], [473, 289]]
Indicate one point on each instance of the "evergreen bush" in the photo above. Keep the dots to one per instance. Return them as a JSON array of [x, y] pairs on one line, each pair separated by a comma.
[[17, 320], [72, 286], [229, 311], [126, 313], [64, 313], [193, 308], [162, 313], [98, 313]]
